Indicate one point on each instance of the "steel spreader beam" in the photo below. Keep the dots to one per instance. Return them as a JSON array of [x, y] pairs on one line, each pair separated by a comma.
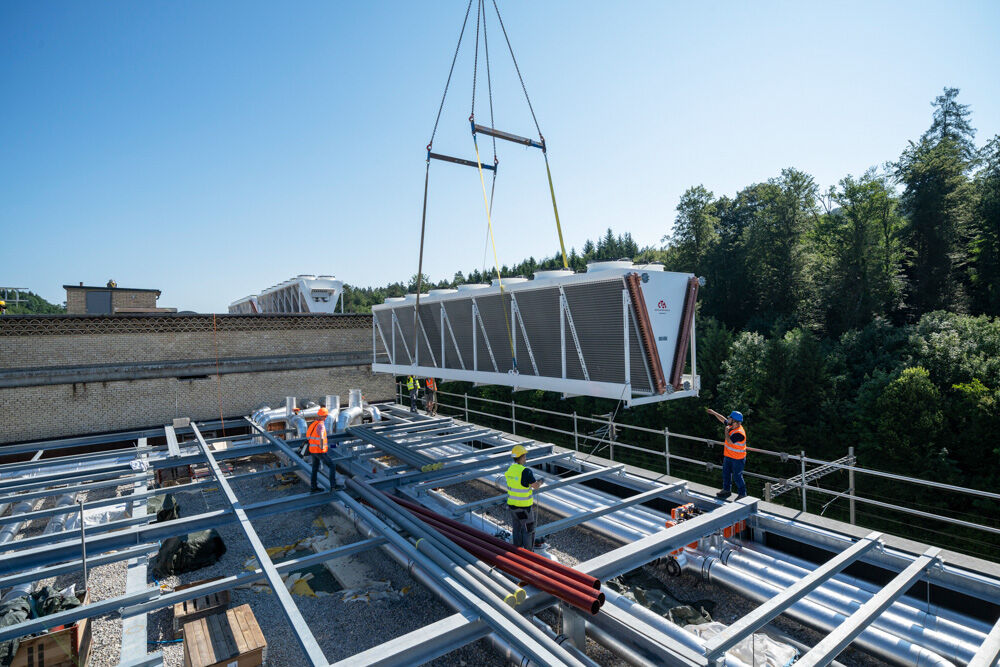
[[830, 646], [298, 624], [506, 136], [765, 613], [461, 161]]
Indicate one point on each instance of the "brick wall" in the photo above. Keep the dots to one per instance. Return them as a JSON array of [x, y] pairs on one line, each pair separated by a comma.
[[55, 411], [31, 342], [34, 412], [128, 299], [76, 301]]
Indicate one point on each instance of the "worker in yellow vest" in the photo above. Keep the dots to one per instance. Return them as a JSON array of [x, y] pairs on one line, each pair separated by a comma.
[[413, 386], [521, 484], [430, 396], [735, 454], [318, 449]]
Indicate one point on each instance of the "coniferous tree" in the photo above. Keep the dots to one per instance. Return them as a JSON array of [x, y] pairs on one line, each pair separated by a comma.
[[985, 249], [937, 202]]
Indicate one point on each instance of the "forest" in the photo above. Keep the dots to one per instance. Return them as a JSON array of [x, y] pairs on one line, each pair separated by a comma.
[[863, 316]]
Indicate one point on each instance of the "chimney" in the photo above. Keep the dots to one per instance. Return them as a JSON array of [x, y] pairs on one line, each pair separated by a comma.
[[81, 283]]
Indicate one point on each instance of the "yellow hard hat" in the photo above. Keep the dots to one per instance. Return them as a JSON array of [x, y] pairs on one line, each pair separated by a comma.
[[518, 451]]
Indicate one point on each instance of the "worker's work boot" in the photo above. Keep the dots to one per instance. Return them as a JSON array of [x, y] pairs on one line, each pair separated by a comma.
[[723, 494], [315, 489], [742, 495]]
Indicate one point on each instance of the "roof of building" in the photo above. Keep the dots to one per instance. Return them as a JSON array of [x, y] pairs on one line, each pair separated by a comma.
[[117, 289]]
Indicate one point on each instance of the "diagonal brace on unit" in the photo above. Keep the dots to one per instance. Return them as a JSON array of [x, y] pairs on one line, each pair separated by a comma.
[[572, 330], [516, 315], [402, 338], [486, 339]]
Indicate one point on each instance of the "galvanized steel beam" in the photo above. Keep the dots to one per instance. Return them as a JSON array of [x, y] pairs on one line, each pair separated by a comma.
[[830, 646], [717, 646], [583, 517]]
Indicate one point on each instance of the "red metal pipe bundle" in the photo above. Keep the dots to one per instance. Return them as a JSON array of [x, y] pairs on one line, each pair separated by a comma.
[[579, 590], [587, 579]]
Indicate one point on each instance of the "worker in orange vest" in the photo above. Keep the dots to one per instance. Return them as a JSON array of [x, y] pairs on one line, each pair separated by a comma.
[[735, 454], [318, 449], [430, 399]]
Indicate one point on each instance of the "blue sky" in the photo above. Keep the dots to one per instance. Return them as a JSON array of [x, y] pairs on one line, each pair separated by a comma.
[[211, 149]]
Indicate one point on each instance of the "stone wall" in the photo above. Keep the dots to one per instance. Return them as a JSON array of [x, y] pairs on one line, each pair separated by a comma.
[[37, 409]]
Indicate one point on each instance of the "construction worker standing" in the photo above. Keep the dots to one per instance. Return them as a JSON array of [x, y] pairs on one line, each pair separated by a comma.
[[735, 454], [3, 307], [521, 484], [430, 398], [316, 437], [413, 386]]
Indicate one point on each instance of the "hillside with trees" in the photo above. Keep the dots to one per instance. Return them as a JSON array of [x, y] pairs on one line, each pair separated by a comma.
[[32, 304], [864, 315]]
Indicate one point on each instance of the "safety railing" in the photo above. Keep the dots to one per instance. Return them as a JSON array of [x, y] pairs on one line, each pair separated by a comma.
[[809, 469]]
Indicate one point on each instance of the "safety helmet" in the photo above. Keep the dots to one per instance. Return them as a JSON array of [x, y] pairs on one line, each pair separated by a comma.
[[736, 416], [323, 412], [518, 451], [2, 302]]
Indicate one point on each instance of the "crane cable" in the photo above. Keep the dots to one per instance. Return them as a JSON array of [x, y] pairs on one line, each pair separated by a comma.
[[548, 172], [488, 201], [427, 173]]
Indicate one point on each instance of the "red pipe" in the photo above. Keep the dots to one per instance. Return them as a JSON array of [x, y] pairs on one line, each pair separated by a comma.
[[514, 557], [527, 554], [573, 596]]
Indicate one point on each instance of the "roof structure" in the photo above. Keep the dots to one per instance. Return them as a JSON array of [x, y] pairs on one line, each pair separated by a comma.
[[431, 462]]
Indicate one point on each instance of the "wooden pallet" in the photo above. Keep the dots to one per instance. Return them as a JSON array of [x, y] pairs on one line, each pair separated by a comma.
[[232, 639], [69, 646], [206, 605]]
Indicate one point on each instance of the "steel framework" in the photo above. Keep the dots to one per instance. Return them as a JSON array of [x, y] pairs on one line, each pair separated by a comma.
[[414, 457]]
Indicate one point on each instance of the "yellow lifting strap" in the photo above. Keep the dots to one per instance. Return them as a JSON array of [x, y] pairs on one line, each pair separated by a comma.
[[496, 260], [555, 209]]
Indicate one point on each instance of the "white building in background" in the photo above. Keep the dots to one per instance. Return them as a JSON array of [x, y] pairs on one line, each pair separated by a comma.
[[301, 294]]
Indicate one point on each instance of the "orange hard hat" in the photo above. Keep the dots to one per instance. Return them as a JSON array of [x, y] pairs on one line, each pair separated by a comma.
[[322, 413]]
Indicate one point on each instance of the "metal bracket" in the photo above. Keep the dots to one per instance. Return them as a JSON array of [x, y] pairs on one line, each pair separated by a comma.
[[572, 331], [402, 338], [520, 320], [486, 339]]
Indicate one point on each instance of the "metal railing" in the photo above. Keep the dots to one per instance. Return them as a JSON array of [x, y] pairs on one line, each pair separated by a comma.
[[591, 444]]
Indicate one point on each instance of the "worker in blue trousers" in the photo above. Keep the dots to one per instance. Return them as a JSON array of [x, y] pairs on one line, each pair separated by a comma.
[[735, 454]]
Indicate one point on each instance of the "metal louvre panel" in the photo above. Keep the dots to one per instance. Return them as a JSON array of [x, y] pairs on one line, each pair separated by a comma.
[[404, 316], [597, 313], [384, 318], [460, 314], [431, 323], [540, 310], [493, 314]]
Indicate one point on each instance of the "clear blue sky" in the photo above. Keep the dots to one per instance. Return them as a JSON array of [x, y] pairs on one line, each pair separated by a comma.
[[211, 149]]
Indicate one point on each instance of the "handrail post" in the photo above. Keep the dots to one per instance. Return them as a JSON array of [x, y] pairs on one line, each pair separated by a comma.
[[850, 481], [466, 406], [576, 434], [513, 419], [666, 448], [802, 459]]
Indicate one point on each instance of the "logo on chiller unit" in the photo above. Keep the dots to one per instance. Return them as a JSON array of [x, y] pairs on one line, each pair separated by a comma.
[[661, 306]]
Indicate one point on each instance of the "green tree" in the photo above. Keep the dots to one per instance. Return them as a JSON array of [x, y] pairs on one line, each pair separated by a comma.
[[778, 250], [862, 279], [937, 202], [985, 248], [695, 228], [905, 426]]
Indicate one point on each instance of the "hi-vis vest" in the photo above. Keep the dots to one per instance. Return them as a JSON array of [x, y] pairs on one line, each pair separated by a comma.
[[517, 495], [736, 450], [430, 384], [411, 382], [316, 433]]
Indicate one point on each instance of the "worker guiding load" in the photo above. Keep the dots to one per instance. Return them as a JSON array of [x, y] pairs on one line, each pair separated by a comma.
[[430, 396], [319, 450], [734, 454], [521, 484], [412, 386]]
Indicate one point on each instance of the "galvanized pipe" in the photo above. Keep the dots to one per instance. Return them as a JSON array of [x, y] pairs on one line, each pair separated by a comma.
[[872, 639], [951, 640]]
